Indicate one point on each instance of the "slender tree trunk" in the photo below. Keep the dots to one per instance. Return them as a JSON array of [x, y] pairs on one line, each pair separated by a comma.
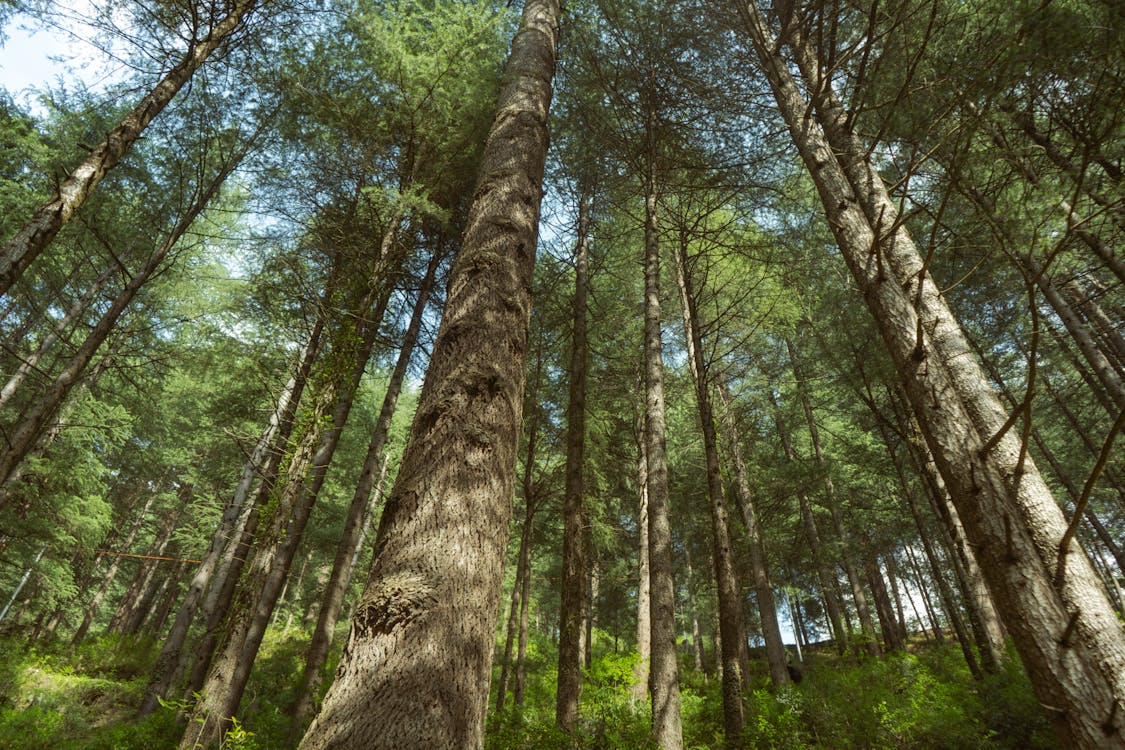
[[37, 418], [892, 638], [171, 592], [340, 578], [36, 235], [574, 565], [728, 590], [924, 591], [523, 566], [170, 662], [521, 643], [866, 624], [132, 598], [1050, 598], [700, 658], [31, 363], [824, 572], [414, 673], [892, 576], [258, 594], [592, 584], [664, 681], [110, 574], [639, 687], [759, 565]]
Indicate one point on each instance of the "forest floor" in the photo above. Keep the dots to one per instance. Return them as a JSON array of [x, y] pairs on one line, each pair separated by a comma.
[[926, 698]]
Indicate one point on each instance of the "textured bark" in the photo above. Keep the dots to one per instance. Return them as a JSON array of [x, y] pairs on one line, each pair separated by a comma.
[[259, 591], [36, 235], [574, 536], [414, 673], [759, 562], [169, 663], [346, 548], [664, 681], [1053, 604], [728, 590]]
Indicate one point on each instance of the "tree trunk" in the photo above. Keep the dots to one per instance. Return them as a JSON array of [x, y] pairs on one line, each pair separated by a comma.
[[110, 574], [30, 363], [37, 418], [259, 591], [924, 591], [639, 688], [414, 673], [892, 637], [523, 565], [866, 624], [664, 679], [700, 658], [1050, 599], [573, 585], [728, 590], [133, 600], [169, 663], [759, 562], [825, 574], [36, 235], [342, 566]]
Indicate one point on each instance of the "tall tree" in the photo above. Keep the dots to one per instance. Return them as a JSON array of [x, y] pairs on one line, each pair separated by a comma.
[[415, 671]]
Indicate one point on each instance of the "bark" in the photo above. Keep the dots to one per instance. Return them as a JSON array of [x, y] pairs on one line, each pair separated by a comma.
[[171, 592], [346, 548], [415, 670], [259, 591], [892, 576], [867, 625], [36, 235], [110, 574], [664, 682], [1051, 600], [592, 583], [824, 572], [639, 688], [574, 565], [521, 646], [759, 564], [728, 590], [38, 417]]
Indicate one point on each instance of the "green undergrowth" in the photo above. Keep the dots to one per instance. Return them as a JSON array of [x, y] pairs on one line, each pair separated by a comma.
[[925, 699]]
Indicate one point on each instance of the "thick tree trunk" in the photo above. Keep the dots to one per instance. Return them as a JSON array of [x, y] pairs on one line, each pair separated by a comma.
[[36, 235], [1053, 604], [340, 578], [414, 673], [726, 582], [664, 681], [759, 564], [573, 585]]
